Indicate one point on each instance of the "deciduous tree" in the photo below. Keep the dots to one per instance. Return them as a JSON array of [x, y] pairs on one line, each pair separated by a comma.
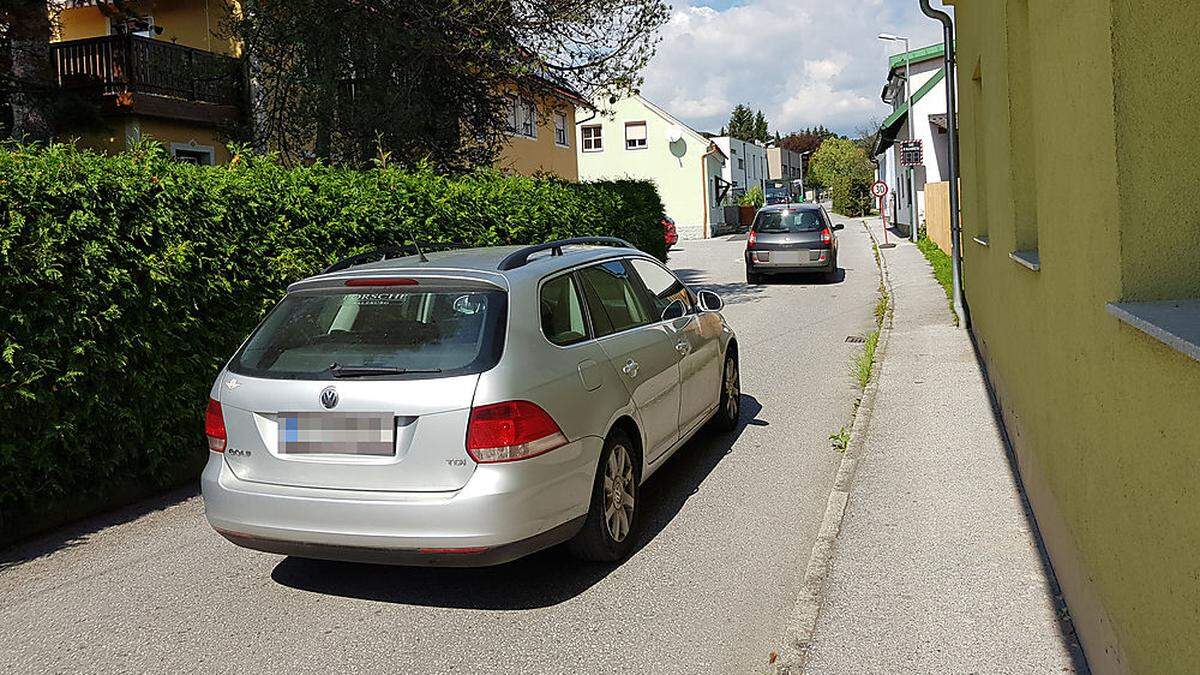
[[344, 80]]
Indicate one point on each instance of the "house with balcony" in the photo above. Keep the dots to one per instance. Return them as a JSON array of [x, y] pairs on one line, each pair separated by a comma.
[[156, 68]]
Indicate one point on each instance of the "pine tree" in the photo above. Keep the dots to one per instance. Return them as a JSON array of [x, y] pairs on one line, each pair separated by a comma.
[[761, 133]]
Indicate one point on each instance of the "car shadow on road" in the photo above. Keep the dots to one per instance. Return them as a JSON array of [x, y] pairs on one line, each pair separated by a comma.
[[732, 293], [543, 579]]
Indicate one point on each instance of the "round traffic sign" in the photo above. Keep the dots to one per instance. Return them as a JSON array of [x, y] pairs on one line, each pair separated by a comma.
[[879, 188]]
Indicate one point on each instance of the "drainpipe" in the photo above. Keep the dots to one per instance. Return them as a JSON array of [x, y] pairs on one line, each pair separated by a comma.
[[952, 156], [712, 149]]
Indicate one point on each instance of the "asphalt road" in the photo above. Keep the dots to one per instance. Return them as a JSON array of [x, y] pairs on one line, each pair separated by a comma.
[[728, 525]]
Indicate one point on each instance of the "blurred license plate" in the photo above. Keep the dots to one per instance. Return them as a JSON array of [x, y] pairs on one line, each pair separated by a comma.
[[337, 434]]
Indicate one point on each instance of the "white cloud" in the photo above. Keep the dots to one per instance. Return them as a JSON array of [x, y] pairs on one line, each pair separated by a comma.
[[803, 62]]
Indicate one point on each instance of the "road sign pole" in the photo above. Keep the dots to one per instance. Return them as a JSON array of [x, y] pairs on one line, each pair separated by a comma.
[[880, 190]]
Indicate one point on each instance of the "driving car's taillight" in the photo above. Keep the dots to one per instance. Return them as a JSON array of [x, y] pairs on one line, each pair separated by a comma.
[[750, 239], [504, 432], [826, 236], [214, 426]]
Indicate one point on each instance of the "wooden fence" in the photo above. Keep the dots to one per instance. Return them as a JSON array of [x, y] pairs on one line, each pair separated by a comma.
[[937, 214]]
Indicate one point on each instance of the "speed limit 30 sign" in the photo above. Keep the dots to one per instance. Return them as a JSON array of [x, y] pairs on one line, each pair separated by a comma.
[[879, 189]]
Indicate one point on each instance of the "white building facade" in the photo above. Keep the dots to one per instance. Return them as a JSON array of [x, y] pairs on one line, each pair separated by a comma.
[[746, 167], [637, 139], [928, 89]]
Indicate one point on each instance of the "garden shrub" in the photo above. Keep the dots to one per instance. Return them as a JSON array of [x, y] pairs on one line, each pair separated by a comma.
[[126, 281]]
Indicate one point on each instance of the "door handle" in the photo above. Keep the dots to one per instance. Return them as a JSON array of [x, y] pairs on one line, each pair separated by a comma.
[[683, 347], [631, 368]]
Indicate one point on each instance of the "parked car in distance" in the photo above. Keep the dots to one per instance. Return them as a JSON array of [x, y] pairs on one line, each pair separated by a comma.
[[791, 238], [670, 234], [465, 407]]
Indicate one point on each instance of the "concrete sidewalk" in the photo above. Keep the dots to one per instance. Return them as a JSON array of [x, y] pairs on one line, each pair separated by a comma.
[[937, 568]]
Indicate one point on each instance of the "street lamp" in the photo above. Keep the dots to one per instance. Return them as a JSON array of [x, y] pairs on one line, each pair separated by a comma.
[[912, 175]]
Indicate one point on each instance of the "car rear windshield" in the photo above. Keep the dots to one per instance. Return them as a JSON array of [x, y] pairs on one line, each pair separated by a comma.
[[789, 220], [425, 330]]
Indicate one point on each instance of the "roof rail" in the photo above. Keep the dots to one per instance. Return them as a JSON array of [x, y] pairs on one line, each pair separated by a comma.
[[387, 252], [520, 257]]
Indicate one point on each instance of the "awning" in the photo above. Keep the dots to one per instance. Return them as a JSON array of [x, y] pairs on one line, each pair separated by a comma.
[[891, 126]]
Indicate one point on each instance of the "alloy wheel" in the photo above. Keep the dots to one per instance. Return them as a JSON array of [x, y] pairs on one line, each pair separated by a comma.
[[733, 392], [618, 493]]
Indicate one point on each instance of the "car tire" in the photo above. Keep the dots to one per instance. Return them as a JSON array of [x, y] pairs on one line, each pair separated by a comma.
[[753, 277], [831, 275], [609, 531], [729, 406]]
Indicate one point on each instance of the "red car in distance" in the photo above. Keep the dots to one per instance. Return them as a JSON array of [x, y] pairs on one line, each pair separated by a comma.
[[669, 233]]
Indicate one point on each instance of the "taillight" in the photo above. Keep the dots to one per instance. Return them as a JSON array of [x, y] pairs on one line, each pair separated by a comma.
[[826, 236], [214, 426], [750, 240], [504, 432]]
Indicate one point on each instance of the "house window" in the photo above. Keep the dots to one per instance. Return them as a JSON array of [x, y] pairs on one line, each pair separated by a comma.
[[522, 117], [741, 163], [593, 141], [635, 135], [193, 154], [560, 128]]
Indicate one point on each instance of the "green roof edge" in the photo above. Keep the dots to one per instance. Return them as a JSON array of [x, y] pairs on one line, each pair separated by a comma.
[[917, 96], [918, 55]]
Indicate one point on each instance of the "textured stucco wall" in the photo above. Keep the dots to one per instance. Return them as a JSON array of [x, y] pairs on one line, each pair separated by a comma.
[[1076, 139], [675, 168], [528, 156]]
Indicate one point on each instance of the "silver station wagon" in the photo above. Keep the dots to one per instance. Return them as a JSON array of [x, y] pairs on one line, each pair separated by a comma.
[[465, 407]]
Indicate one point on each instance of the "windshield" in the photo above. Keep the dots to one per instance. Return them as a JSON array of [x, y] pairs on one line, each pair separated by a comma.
[[789, 220], [405, 331]]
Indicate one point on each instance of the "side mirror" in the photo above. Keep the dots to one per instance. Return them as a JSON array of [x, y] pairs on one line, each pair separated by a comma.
[[674, 310], [839, 226], [711, 302]]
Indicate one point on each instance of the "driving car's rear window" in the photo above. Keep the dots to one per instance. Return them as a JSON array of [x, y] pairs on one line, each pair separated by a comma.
[[789, 220], [422, 330]]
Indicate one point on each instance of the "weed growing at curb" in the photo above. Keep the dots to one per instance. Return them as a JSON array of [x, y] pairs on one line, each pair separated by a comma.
[[941, 264], [860, 367], [840, 439]]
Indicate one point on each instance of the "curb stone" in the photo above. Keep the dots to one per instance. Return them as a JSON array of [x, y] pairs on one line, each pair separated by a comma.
[[798, 633]]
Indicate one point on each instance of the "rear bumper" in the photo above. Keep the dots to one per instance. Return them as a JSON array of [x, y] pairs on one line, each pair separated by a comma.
[[505, 511], [826, 263]]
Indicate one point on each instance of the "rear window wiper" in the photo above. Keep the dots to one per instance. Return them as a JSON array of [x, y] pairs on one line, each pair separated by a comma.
[[338, 370]]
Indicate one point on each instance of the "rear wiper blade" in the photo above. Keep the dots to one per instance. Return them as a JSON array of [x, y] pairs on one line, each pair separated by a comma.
[[338, 370]]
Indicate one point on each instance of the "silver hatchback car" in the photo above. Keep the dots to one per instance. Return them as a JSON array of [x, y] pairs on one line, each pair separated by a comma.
[[465, 407]]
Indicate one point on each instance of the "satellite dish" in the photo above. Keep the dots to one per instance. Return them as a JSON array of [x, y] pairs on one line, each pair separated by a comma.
[[674, 133]]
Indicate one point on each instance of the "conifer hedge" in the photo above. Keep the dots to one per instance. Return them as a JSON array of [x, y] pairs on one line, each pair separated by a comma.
[[126, 281]]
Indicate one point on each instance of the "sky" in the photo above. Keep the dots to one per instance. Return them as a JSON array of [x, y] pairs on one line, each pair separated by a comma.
[[802, 62]]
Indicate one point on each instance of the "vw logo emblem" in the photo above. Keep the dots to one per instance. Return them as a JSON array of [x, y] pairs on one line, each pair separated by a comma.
[[329, 397]]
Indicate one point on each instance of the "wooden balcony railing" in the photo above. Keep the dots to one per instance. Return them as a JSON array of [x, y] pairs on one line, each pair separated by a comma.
[[116, 64]]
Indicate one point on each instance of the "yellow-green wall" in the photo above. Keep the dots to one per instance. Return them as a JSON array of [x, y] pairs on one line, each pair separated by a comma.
[[1077, 140]]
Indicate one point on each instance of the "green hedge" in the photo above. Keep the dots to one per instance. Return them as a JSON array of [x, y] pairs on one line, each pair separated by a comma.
[[126, 281]]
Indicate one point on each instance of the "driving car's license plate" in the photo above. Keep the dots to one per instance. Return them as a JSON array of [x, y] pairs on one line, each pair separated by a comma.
[[337, 433]]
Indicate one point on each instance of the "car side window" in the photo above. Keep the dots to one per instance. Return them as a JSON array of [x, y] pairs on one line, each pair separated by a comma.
[[612, 300], [662, 286], [562, 311]]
